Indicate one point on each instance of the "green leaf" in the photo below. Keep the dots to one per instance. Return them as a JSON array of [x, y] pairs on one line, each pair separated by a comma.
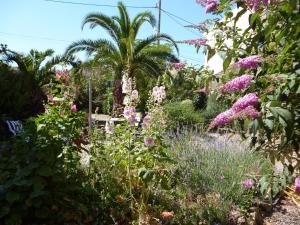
[[12, 197], [285, 114], [227, 62], [45, 171]]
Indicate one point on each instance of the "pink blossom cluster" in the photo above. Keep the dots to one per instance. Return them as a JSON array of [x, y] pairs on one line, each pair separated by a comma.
[[250, 62], [210, 5], [149, 141], [130, 114], [178, 66], [64, 74], [73, 107], [196, 42], [238, 83], [146, 121], [158, 94], [126, 84], [297, 185], [248, 183], [242, 108], [250, 99], [255, 4]]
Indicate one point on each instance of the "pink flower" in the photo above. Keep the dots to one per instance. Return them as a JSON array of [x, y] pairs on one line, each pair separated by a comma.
[[297, 185], [211, 6], [250, 62], [167, 215], [149, 141], [73, 107], [58, 75], [158, 94], [134, 95], [147, 121], [238, 83], [248, 183], [249, 112], [223, 118], [250, 99], [197, 42], [66, 94], [130, 115], [178, 66], [255, 4]]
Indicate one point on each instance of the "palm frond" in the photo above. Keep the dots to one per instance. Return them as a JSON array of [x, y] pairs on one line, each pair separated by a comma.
[[142, 18], [152, 39], [106, 22]]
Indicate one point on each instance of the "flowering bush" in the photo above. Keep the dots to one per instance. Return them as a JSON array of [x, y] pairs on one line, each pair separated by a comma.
[[138, 153], [264, 53]]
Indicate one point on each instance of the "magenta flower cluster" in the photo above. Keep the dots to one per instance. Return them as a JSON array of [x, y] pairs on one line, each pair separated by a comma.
[[178, 66], [248, 183], [242, 108], [210, 5], [238, 83], [255, 4], [196, 42], [250, 62], [64, 75], [250, 99]]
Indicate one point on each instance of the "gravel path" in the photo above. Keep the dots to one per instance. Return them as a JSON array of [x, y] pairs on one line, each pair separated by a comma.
[[285, 213]]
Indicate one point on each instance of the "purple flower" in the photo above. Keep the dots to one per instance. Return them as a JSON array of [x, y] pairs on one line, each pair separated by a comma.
[[146, 121], [130, 115], [248, 183], [222, 119], [238, 83], [297, 185], [250, 99], [197, 42], [254, 4], [178, 66], [249, 112], [250, 62], [211, 6], [149, 141]]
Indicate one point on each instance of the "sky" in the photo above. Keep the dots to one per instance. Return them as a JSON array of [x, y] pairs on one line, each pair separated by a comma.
[[40, 24]]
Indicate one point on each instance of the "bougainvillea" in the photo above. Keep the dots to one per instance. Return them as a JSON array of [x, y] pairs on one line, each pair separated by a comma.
[[210, 5], [237, 84]]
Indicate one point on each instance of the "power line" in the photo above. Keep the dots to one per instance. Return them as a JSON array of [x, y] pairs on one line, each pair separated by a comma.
[[99, 5], [180, 24], [178, 17]]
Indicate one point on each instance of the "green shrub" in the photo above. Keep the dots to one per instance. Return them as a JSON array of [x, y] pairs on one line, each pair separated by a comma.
[[182, 113]]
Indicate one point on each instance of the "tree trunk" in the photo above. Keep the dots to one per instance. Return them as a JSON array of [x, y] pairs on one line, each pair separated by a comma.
[[118, 98]]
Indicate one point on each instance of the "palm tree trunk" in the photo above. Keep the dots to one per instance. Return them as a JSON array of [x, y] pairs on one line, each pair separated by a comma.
[[118, 98]]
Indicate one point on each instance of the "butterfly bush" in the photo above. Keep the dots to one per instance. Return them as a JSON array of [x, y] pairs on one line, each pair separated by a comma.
[[250, 99], [243, 108], [251, 62], [210, 5], [255, 4], [237, 84], [196, 42], [202, 27]]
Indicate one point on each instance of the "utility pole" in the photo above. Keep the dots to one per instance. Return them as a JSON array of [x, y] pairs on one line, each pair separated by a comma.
[[159, 19]]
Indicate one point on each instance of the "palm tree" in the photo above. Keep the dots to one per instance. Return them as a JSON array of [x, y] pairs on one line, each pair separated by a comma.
[[37, 64], [124, 52]]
